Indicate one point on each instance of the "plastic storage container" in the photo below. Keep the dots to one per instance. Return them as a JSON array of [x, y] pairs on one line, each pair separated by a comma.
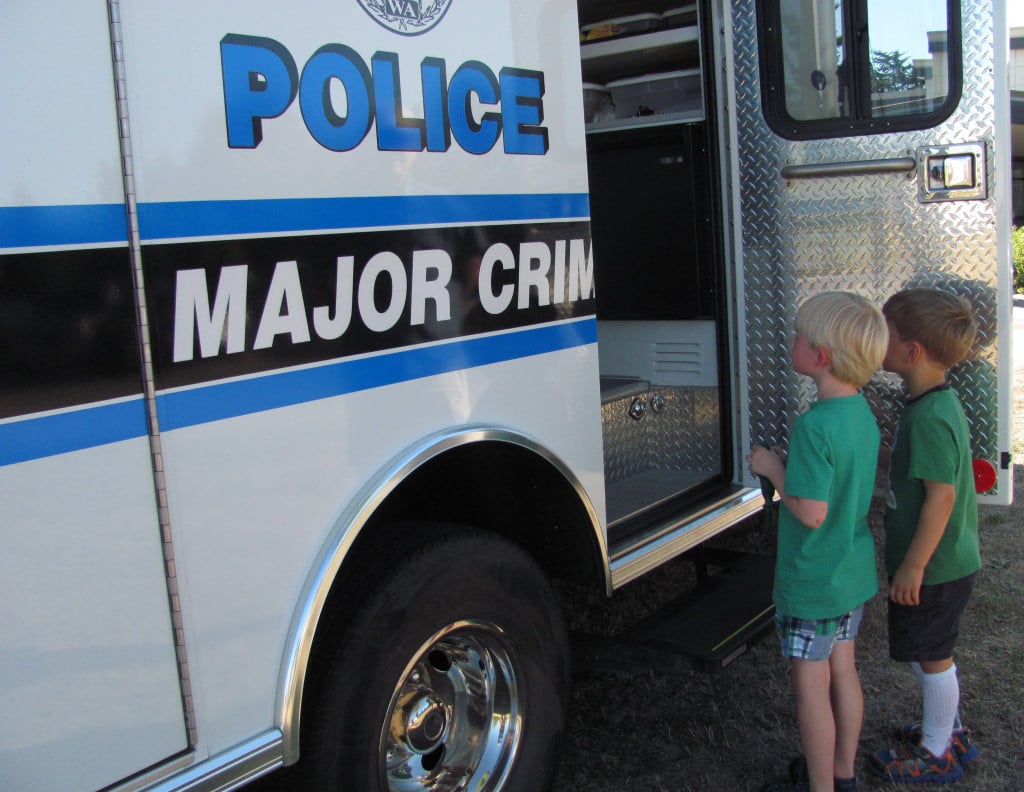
[[657, 94], [621, 26], [597, 103], [681, 17]]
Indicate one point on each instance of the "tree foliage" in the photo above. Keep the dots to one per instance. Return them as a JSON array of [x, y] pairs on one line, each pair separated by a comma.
[[892, 71], [1018, 259]]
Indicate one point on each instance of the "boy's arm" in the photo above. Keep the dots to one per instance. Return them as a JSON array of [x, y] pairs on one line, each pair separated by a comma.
[[763, 462], [939, 498], [811, 513]]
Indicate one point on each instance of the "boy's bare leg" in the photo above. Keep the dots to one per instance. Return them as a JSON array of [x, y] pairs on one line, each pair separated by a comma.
[[847, 707], [936, 666], [811, 681]]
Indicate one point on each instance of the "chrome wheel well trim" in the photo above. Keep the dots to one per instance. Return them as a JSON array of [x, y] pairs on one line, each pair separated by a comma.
[[348, 527]]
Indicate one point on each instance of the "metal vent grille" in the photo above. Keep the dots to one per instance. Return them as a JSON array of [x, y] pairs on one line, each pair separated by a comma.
[[677, 358]]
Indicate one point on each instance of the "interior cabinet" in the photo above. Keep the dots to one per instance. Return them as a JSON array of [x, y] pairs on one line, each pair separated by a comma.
[[665, 50], [650, 175], [653, 229]]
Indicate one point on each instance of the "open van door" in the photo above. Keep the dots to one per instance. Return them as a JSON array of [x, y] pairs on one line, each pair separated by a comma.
[[872, 155]]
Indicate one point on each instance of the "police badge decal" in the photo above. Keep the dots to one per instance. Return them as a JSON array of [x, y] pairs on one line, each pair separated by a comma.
[[406, 17]]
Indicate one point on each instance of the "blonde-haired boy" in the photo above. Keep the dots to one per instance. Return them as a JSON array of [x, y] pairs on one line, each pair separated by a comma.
[[825, 565], [931, 529]]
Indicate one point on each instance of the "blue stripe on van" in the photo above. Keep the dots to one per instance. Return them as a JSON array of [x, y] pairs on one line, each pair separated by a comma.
[[74, 430], [186, 219], [231, 399], [38, 226], [34, 438]]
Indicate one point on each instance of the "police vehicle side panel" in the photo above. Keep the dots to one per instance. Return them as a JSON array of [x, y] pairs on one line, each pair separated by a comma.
[[89, 679], [279, 419]]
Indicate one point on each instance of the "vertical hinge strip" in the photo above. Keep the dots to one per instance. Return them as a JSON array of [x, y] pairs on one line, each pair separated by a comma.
[[156, 453]]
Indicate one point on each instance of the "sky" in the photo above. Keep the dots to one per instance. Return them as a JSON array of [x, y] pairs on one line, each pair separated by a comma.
[[1015, 12], [890, 18], [893, 19]]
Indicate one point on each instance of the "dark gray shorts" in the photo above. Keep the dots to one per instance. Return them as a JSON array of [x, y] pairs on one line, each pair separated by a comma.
[[929, 631]]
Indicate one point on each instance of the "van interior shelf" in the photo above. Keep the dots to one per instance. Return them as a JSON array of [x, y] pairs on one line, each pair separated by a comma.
[[664, 119], [627, 56]]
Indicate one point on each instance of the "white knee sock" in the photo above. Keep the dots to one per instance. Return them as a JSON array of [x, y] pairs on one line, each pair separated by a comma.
[[919, 674], [941, 694]]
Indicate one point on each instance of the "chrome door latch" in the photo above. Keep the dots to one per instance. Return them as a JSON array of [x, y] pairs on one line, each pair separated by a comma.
[[952, 173]]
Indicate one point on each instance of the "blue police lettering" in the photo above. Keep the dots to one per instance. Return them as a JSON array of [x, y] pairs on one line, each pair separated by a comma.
[[261, 80], [335, 62]]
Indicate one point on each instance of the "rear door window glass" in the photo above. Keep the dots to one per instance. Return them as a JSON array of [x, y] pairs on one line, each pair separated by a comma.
[[849, 67]]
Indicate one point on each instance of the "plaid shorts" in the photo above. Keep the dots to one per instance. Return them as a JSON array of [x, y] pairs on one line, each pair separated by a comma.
[[813, 639]]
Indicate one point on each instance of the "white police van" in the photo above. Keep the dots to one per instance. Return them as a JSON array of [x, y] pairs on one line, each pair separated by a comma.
[[333, 333]]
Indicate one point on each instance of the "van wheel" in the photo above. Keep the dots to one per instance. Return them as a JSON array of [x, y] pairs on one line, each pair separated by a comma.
[[453, 676]]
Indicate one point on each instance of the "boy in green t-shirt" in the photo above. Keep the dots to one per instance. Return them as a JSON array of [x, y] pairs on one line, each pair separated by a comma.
[[825, 565], [931, 529]]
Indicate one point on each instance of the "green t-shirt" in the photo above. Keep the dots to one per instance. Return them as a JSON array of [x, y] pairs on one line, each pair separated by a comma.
[[824, 572], [933, 443]]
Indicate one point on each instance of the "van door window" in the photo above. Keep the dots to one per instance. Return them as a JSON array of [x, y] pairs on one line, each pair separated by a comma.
[[832, 68]]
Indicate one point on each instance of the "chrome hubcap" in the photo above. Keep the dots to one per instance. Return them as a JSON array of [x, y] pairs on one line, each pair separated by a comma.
[[425, 723], [454, 722]]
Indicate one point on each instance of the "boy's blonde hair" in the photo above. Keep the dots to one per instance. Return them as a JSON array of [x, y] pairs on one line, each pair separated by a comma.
[[940, 321], [852, 329]]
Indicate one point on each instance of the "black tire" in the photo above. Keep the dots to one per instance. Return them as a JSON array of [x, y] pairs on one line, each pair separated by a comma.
[[453, 675]]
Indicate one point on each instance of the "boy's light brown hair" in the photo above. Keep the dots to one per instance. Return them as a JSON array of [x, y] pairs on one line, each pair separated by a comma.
[[939, 321], [852, 329]]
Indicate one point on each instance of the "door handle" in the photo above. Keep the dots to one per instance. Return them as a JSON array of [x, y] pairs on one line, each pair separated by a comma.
[[952, 173], [856, 168]]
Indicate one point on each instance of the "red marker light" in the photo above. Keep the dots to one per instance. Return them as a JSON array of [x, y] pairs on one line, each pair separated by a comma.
[[984, 475]]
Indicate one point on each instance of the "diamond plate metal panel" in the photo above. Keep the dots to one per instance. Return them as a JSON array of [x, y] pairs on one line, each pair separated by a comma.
[[684, 434], [866, 233]]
